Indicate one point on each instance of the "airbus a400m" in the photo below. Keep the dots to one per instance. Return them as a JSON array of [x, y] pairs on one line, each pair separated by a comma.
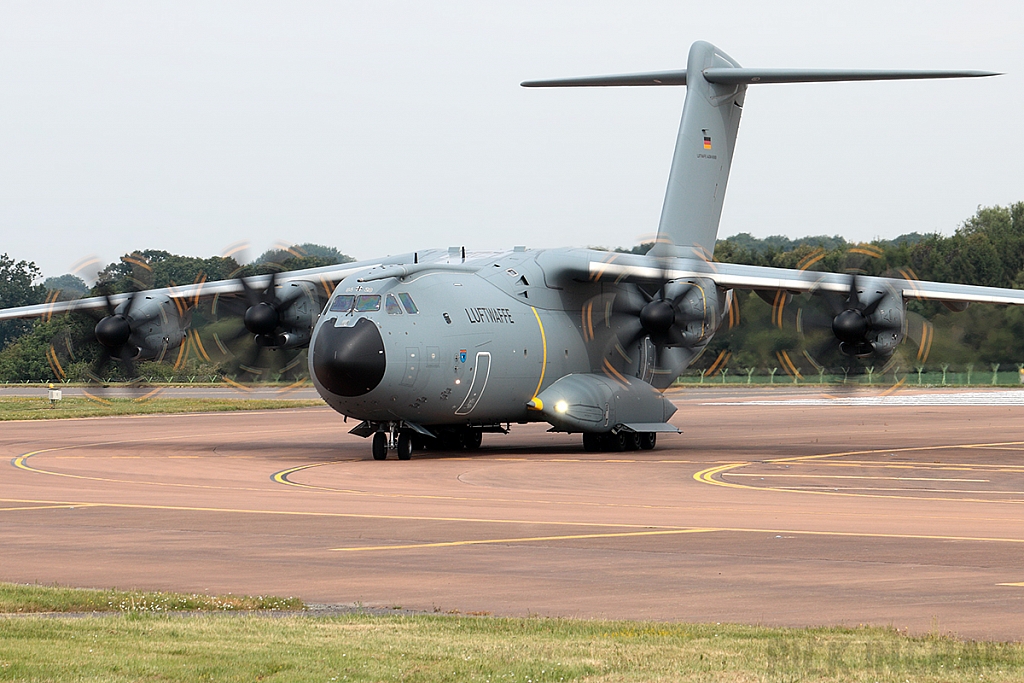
[[437, 347]]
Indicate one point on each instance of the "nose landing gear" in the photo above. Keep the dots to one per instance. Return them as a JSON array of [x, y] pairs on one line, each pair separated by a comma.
[[405, 441], [379, 446], [383, 441]]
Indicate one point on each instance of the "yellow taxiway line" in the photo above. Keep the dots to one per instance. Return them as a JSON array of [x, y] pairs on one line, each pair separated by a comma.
[[714, 475]]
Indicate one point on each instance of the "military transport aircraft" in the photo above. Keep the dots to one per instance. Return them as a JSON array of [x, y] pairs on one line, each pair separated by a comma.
[[437, 347]]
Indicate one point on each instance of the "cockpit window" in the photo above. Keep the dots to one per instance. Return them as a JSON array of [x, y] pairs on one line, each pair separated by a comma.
[[391, 305], [410, 306], [343, 304], [367, 302]]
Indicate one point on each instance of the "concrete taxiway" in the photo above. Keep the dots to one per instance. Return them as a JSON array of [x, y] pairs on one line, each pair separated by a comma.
[[773, 507]]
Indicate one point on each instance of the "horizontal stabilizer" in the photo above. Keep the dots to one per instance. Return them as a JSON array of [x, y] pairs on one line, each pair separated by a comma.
[[742, 76], [651, 78]]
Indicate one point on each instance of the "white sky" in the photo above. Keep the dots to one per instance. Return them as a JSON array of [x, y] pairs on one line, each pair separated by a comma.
[[390, 126]]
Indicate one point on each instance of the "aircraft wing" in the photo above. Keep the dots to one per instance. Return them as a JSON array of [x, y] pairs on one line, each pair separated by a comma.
[[628, 267], [327, 276]]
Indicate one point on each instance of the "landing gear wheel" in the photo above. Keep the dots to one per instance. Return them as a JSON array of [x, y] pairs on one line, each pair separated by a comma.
[[618, 442], [648, 440], [404, 446], [380, 446], [633, 441], [592, 443], [471, 439]]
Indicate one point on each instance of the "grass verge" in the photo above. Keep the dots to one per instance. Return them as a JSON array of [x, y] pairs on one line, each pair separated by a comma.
[[361, 647], [146, 643], [21, 598], [29, 408]]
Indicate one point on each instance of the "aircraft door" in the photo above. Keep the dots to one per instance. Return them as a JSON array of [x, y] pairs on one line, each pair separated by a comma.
[[481, 371], [412, 366]]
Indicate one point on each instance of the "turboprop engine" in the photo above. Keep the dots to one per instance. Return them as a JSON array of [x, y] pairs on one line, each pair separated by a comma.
[[870, 321], [144, 327]]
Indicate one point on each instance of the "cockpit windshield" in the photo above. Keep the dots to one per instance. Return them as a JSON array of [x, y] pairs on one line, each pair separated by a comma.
[[361, 303], [367, 302], [343, 303]]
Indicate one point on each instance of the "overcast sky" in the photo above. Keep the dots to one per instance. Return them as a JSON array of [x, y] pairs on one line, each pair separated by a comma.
[[383, 127]]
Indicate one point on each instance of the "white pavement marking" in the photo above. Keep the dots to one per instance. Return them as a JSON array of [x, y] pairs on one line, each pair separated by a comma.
[[972, 398]]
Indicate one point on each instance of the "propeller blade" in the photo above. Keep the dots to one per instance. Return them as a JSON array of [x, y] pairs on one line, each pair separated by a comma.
[[870, 309], [99, 366], [812, 320], [835, 302], [627, 301], [127, 358], [269, 294], [251, 295], [673, 336], [852, 300], [131, 302]]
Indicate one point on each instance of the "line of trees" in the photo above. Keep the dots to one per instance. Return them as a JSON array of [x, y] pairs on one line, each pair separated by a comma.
[[27, 347], [987, 249]]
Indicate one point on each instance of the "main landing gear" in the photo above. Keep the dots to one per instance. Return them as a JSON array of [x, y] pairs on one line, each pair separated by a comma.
[[621, 441], [405, 441]]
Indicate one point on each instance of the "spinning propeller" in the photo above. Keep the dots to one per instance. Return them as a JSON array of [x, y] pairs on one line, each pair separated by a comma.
[[634, 332], [854, 322], [854, 331], [267, 318]]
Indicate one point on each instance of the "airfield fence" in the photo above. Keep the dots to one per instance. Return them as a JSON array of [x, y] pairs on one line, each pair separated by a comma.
[[928, 377]]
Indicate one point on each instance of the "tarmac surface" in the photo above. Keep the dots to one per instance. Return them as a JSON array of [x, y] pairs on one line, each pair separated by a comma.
[[773, 507]]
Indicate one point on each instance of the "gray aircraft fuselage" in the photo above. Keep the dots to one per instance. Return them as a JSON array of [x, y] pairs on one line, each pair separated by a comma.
[[473, 352], [477, 346]]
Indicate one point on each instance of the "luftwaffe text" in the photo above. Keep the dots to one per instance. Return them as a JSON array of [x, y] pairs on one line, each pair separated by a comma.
[[489, 315]]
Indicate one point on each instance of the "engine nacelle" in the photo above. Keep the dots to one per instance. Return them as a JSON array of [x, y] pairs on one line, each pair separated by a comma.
[[701, 308], [871, 321], [290, 317], [153, 323], [890, 316]]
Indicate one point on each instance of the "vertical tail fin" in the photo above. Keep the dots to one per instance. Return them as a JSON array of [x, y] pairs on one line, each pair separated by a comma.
[[715, 88], [702, 158]]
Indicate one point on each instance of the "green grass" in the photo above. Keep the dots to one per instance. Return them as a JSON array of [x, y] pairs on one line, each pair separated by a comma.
[[146, 642], [20, 598], [361, 647], [29, 408]]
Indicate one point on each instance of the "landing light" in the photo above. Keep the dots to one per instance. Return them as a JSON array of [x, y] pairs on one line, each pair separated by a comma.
[[561, 406]]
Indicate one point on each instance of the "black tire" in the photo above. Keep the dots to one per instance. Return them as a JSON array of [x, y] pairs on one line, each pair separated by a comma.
[[404, 446], [471, 439], [648, 440], [379, 446], [618, 442], [592, 442], [633, 440]]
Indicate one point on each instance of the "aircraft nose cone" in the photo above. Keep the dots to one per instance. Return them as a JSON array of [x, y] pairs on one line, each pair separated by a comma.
[[850, 326], [349, 361]]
